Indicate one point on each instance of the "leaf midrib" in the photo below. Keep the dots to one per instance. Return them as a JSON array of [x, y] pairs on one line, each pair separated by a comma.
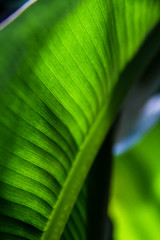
[[89, 148], [76, 176]]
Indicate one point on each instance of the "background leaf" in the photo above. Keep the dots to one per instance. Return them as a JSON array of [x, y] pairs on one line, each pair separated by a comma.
[[135, 190]]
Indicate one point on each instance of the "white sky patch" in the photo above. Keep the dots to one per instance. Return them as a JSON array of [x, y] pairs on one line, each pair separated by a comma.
[[17, 13]]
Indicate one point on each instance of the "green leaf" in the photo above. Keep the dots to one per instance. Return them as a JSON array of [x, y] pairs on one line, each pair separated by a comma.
[[59, 73], [90, 209], [135, 190]]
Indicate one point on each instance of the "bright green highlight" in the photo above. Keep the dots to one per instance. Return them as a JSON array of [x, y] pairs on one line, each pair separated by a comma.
[[134, 205], [59, 65]]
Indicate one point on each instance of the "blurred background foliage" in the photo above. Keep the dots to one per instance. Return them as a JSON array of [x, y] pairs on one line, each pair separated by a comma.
[[135, 190], [134, 204]]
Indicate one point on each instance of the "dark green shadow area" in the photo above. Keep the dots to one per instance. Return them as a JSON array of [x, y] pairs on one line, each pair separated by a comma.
[[135, 68]]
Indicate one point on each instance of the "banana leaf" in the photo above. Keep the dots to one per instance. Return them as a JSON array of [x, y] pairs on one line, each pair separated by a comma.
[[63, 76]]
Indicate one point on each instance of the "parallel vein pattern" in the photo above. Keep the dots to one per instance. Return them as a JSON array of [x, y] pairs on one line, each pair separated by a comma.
[[55, 78]]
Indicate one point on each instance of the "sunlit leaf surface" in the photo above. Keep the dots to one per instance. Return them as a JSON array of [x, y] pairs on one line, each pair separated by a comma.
[[59, 64]]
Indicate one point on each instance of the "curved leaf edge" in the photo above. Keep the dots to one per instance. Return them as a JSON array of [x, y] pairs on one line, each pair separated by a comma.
[[98, 132]]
